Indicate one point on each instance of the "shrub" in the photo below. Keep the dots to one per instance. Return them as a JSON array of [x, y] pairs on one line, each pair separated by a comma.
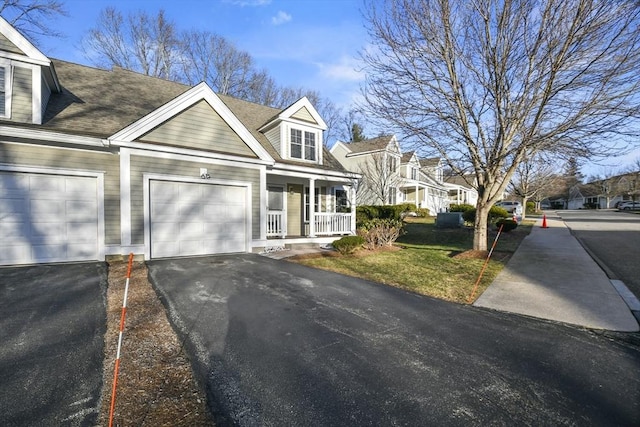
[[462, 207], [368, 212], [423, 212], [498, 212], [507, 224], [531, 207], [495, 212], [380, 232], [348, 244]]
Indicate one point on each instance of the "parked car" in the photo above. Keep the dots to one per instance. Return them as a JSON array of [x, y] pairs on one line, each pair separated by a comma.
[[511, 206], [545, 205], [628, 206]]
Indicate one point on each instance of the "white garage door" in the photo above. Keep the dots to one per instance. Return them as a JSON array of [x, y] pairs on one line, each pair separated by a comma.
[[47, 218], [196, 219]]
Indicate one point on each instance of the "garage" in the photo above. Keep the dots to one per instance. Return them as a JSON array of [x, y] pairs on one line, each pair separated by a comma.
[[189, 218], [48, 218]]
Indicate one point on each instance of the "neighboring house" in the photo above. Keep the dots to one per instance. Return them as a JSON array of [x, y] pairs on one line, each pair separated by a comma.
[[424, 183], [605, 193], [391, 177], [97, 163], [459, 190], [582, 196]]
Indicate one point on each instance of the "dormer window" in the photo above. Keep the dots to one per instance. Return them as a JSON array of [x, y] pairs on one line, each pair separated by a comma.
[[303, 145], [414, 174]]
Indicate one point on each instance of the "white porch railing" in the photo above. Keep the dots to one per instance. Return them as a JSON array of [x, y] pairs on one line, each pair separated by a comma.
[[275, 224], [327, 224], [332, 223]]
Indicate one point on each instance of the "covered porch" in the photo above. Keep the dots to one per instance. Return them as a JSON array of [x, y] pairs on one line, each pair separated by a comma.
[[424, 196], [302, 209]]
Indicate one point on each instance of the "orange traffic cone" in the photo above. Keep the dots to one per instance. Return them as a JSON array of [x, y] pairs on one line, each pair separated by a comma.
[[544, 221]]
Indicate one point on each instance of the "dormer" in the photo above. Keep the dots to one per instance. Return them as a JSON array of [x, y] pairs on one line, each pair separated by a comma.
[[434, 167], [296, 133], [27, 78], [411, 166]]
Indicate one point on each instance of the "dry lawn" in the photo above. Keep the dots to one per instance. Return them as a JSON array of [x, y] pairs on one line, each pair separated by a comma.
[[156, 386]]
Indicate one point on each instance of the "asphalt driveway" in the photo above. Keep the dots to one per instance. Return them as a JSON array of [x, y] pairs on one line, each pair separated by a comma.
[[276, 343], [52, 325]]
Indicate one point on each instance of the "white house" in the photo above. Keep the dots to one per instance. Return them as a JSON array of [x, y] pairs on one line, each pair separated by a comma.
[[390, 176]]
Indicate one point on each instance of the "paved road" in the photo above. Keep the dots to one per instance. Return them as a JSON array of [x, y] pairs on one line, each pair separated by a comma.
[[276, 343], [614, 238], [52, 325]]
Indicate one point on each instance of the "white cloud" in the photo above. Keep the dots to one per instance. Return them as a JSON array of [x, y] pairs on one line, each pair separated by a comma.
[[346, 69], [281, 18]]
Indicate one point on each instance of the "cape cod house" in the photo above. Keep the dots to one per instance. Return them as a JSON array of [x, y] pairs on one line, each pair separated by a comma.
[[97, 163], [390, 176]]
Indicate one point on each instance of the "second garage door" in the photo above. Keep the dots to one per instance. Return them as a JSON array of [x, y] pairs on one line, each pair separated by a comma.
[[189, 219]]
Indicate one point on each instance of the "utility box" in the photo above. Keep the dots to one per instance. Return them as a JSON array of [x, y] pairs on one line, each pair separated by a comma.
[[449, 220]]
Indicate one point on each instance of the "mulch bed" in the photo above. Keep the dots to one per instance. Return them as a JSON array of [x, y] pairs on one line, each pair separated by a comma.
[[155, 385]]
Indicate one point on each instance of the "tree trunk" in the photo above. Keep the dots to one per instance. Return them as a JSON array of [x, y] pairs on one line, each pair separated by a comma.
[[480, 227], [524, 207]]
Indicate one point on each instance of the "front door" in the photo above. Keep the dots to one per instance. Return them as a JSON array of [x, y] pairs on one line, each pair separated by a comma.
[[294, 209]]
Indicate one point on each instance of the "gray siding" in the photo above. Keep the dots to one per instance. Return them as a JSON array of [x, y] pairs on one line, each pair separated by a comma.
[[273, 136], [141, 165], [45, 94], [21, 110], [5, 44], [42, 156], [201, 128]]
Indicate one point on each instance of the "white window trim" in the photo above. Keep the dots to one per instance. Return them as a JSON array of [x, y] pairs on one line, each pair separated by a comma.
[[8, 87], [318, 142]]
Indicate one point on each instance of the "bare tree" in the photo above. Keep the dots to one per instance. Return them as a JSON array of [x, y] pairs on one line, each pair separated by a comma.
[[351, 127], [532, 179], [33, 18], [488, 82], [142, 43], [151, 45], [380, 179], [212, 58]]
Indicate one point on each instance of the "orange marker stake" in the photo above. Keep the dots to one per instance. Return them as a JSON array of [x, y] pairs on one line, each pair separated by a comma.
[[117, 365]]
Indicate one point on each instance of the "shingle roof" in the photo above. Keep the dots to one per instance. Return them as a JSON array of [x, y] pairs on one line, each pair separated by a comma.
[[430, 162], [459, 180], [406, 157], [99, 103], [373, 144]]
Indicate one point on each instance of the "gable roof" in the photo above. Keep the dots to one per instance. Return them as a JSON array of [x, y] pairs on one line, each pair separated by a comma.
[[379, 143], [408, 156], [459, 180], [100, 103], [300, 110], [430, 162], [24, 51]]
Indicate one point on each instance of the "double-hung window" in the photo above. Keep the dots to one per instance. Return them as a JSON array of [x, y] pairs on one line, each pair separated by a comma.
[[414, 174], [303, 145], [3, 92]]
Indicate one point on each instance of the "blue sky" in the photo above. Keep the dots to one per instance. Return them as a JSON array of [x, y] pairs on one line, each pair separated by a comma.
[[301, 43]]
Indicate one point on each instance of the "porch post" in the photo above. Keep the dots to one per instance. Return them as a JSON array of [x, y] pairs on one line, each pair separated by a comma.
[[312, 207], [417, 196], [352, 203]]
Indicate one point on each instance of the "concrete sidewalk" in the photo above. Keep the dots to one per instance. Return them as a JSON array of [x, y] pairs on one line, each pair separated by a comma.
[[551, 276]]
